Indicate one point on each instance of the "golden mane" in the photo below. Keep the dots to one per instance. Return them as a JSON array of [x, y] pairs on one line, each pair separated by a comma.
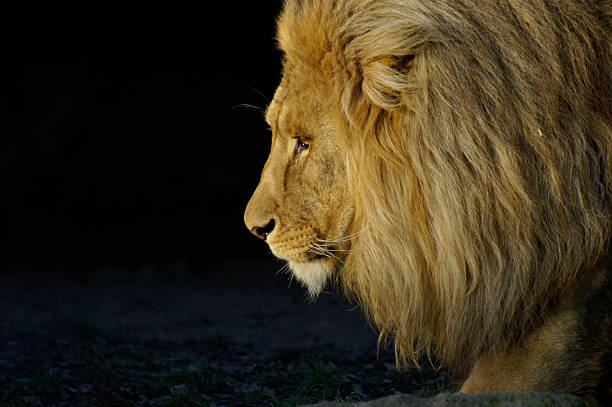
[[482, 168]]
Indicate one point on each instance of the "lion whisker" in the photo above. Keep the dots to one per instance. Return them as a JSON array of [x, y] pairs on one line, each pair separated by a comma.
[[283, 269], [260, 93], [323, 251], [328, 249], [319, 251], [341, 239], [248, 106]]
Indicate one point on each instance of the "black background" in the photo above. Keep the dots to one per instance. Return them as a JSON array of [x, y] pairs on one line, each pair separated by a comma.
[[128, 141]]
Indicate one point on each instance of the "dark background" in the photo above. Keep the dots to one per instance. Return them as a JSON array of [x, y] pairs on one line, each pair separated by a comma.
[[127, 157], [128, 142]]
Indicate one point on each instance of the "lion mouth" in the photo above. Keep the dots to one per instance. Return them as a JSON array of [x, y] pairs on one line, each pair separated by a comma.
[[303, 245], [305, 254], [318, 251], [317, 257]]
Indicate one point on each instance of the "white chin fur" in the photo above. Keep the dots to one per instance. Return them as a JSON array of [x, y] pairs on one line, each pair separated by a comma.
[[312, 275]]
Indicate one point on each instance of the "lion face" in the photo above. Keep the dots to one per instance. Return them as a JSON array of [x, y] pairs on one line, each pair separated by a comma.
[[301, 207]]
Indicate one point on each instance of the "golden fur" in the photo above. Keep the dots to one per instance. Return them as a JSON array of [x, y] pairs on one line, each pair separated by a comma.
[[458, 176]]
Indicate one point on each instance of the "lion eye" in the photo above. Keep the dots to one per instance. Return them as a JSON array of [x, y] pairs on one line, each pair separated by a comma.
[[300, 147]]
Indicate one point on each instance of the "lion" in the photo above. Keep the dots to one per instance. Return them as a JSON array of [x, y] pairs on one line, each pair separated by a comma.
[[448, 165]]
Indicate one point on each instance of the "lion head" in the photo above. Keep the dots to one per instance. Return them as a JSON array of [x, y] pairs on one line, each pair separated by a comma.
[[448, 162], [302, 206]]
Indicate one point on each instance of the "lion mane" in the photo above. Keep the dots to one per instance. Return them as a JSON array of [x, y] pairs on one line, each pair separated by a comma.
[[482, 165]]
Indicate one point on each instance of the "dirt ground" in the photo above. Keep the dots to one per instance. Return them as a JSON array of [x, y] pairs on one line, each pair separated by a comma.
[[232, 333]]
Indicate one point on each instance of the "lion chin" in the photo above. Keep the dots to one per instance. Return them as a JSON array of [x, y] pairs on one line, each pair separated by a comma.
[[313, 275]]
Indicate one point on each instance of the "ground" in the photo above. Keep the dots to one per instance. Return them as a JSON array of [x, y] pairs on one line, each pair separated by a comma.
[[235, 333]]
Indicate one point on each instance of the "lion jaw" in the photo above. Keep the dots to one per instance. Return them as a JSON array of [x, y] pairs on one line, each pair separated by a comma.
[[310, 262], [313, 275]]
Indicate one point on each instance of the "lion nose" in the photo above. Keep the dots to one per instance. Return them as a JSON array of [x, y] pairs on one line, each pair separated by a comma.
[[263, 232]]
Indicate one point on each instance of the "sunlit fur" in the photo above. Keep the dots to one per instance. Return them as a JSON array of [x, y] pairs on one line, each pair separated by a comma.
[[479, 157]]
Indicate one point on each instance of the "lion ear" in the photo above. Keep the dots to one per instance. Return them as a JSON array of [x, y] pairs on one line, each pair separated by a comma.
[[386, 79]]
